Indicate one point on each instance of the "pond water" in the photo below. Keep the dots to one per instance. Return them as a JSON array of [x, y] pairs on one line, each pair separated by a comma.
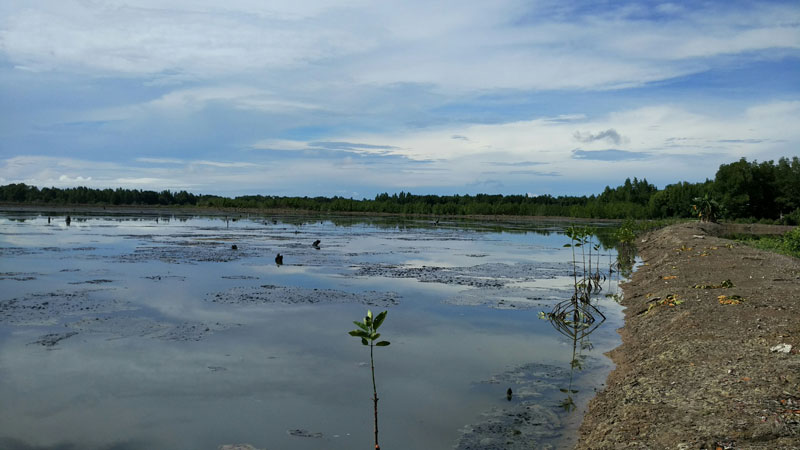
[[153, 332]]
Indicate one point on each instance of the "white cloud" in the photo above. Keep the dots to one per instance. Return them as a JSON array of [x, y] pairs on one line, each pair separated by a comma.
[[237, 97], [395, 94], [160, 160], [453, 45], [142, 182], [205, 39], [673, 136], [279, 144], [224, 164], [67, 180]]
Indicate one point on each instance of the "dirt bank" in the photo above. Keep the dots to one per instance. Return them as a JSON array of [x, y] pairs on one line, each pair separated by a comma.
[[705, 360]]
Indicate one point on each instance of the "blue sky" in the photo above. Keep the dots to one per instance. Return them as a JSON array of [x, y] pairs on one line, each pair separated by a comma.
[[354, 98]]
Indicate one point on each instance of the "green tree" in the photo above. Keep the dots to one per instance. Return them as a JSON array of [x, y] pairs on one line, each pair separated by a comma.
[[706, 208]]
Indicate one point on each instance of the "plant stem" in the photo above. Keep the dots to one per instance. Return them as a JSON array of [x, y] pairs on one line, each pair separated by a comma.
[[374, 395]]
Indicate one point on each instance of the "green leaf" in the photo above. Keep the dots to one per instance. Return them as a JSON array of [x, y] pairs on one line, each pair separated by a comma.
[[364, 341], [382, 343], [374, 336], [369, 314], [361, 325], [379, 319], [567, 245], [359, 333]]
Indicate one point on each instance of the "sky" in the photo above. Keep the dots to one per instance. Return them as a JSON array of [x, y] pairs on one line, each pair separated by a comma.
[[358, 97]]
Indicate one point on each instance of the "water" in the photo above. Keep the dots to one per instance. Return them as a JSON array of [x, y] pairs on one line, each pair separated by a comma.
[[136, 333]]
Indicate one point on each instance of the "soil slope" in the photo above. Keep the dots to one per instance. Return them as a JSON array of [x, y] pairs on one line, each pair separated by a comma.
[[696, 370]]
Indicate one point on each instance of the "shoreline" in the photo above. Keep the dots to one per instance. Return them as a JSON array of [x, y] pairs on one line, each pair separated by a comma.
[[194, 210], [696, 370], [726, 228]]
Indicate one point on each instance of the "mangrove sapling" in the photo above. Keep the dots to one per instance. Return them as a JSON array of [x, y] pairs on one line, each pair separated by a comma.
[[581, 237], [572, 233], [367, 331]]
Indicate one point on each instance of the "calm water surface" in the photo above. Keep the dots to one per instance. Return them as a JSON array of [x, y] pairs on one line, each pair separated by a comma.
[[137, 333]]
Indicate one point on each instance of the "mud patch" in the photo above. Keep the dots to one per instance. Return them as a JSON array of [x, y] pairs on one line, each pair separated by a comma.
[[509, 297], [526, 422], [127, 326], [17, 251], [50, 340], [296, 295], [51, 307], [17, 276], [68, 249], [304, 433], [239, 277], [238, 447], [92, 282], [189, 253], [165, 277], [523, 427], [489, 275]]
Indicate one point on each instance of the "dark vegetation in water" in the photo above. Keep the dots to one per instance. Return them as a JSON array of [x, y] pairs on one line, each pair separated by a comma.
[[748, 191]]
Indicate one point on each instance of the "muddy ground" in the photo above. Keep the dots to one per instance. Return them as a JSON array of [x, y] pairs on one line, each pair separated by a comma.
[[709, 356]]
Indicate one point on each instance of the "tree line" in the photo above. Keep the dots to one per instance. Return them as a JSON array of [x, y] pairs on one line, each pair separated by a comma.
[[746, 190]]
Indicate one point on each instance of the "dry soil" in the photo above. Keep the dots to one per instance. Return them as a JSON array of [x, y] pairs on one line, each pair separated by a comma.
[[709, 356]]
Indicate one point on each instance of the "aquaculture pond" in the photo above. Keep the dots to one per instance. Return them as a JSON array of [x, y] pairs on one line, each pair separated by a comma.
[[182, 332]]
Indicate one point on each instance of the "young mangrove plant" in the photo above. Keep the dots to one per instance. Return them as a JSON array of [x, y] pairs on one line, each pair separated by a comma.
[[589, 283], [367, 331], [626, 248]]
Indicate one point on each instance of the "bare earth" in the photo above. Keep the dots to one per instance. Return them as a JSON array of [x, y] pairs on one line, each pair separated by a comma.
[[708, 372]]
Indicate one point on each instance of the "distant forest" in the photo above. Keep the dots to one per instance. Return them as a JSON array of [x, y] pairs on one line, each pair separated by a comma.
[[746, 191]]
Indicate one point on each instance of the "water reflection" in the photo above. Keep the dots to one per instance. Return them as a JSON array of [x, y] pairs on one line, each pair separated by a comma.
[[184, 343]]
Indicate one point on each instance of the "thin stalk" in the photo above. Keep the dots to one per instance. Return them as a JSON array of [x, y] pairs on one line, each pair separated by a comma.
[[590, 265], [374, 396], [583, 257], [574, 266]]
